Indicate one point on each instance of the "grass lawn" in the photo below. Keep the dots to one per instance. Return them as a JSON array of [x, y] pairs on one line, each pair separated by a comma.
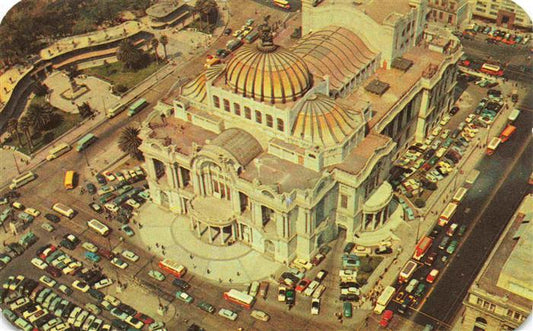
[[113, 72], [62, 123]]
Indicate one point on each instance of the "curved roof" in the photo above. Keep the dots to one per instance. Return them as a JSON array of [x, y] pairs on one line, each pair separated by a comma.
[[273, 75], [336, 52], [195, 89], [322, 121], [240, 144]]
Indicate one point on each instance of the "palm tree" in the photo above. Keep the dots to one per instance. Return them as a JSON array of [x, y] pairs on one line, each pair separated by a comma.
[[39, 116], [155, 43], [129, 54], [129, 142], [12, 127], [164, 42], [25, 127]]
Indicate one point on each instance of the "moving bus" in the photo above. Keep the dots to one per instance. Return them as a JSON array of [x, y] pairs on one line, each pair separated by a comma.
[[423, 245], [63, 210], [384, 299], [98, 227], [447, 214], [491, 147], [22, 180], [57, 151], [84, 142], [240, 298], [69, 179], [172, 267], [282, 4], [492, 69], [117, 109], [513, 115], [137, 107], [459, 195], [250, 38], [407, 271], [507, 133], [471, 178]]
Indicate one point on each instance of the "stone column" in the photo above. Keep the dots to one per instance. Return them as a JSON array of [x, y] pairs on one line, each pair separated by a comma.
[[221, 234], [209, 234], [198, 228]]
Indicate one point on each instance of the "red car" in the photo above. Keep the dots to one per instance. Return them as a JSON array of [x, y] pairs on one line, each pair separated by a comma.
[[432, 275], [317, 259], [302, 285], [144, 318], [386, 317], [106, 253], [53, 271]]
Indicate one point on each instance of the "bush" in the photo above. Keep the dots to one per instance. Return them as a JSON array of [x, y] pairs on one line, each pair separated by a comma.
[[420, 203], [48, 137], [119, 88], [366, 267]]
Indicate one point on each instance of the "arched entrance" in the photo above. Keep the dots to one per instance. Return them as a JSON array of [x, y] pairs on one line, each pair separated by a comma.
[[164, 199], [270, 249]]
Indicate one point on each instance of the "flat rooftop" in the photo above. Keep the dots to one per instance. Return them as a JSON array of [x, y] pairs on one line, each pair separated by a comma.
[[382, 10], [163, 9], [400, 82], [509, 258]]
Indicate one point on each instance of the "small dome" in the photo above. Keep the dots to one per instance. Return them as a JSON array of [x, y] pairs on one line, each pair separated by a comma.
[[271, 74], [322, 121]]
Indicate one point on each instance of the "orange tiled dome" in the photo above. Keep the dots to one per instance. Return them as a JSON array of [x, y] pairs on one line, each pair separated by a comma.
[[273, 75]]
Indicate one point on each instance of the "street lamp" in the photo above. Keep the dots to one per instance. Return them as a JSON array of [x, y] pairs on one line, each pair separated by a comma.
[[418, 229]]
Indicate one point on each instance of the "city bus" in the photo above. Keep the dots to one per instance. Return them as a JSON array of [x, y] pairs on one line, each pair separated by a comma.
[[22, 180], [98, 227], [384, 299], [282, 4], [493, 144], [239, 298], [459, 195], [63, 210], [491, 69], [513, 115], [447, 214], [472, 177], [172, 267], [251, 37], [137, 107], [407, 271], [115, 110], [84, 142], [423, 245], [69, 179], [57, 151], [507, 133]]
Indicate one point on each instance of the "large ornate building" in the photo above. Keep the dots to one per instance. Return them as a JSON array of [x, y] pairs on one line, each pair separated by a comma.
[[280, 148]]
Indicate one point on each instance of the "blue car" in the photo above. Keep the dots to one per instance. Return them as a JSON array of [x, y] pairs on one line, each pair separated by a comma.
[[92, 256], [128, 230]]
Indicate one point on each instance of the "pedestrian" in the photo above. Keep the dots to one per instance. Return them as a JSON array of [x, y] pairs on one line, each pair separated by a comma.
[[230, 280], [208, 271], [220, 280], [191, 256], [157, 245], [238, 273], [162, 247]]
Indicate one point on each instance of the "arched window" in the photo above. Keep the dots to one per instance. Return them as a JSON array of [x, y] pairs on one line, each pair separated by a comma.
[[237, 109], [480, 324], [269, 121], [281, 126], [216, 101], [226, 105], [247, 113], [258, 117]]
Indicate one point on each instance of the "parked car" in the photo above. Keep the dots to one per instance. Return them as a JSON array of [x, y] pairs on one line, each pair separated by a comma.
[[386, 318], [260, 315], [432, 276], [226, 313]]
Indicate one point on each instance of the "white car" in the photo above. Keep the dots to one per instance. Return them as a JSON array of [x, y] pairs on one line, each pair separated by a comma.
[[260, 315], [90, 247], [111, 207], [226, 313], [109, 176], [134, 322], [119, 263], [311, 288], [445, 119], [47, 281], [48, 227], [319, 290], [112, 300], [436, 131], [301, 263], [133, 203], [281, 293], [40, 264], [470, 118], [32, 211], [102, 283], [81, 286], [130, 256], [445, 133], [315, 306]]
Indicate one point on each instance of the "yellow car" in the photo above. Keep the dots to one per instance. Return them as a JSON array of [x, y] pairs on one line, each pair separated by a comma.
[[237, 33], [445, 166]]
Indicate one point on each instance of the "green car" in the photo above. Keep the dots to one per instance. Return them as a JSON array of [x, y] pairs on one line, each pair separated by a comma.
[[156, 275], [433, 160], [451, 248], [206, 307], [420, 290], [347, 309], [183, 296], [462, 230]]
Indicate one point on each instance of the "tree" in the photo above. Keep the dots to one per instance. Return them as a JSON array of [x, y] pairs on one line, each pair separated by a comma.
[[131, 56], [129, 142], [72, 73], [12, 127], [25, 126], [39, 116], [164, 42], [155, 43], [85, 110]]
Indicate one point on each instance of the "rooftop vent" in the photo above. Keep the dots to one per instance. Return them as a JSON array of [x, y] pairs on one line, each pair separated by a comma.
[[401, 64], [377, 87]]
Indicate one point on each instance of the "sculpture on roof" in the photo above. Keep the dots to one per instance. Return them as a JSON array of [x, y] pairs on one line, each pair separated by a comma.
[[267, 38]]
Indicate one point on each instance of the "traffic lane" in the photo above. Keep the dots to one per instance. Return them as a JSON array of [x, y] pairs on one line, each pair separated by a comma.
[[481, 238], [478, 47]]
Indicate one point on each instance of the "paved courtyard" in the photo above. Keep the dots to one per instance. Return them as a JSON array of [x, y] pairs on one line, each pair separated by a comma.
[[237, 263]]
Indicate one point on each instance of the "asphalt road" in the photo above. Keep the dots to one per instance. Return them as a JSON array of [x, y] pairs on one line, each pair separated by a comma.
[[502, 182]]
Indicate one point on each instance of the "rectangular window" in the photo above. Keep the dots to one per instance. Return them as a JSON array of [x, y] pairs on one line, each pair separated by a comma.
[[226, 105], [258, 117], [270, 121], [344, 201], [237, 109], [216, 101], [247, 113], [479, 301], [509, 313], [492, 307], [281, 126], [517, 316]]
